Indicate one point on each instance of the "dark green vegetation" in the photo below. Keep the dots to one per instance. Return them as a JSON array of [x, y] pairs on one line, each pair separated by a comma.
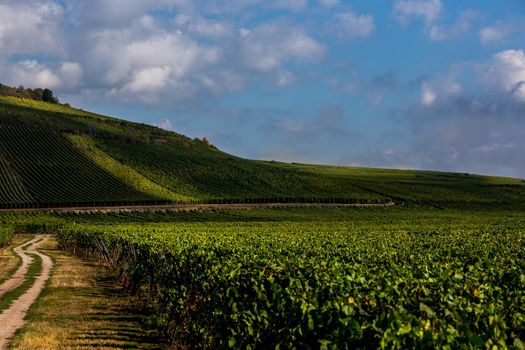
[[54, 155], [443, 268], [54, 173], [6, 233], [38, 94], [346, 278]]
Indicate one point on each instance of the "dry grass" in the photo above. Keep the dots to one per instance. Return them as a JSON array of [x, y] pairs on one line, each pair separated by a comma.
[[82, 308], [8, 259]]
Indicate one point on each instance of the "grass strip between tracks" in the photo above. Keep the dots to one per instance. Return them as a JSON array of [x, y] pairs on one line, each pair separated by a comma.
[[18, 259], [35, 268]]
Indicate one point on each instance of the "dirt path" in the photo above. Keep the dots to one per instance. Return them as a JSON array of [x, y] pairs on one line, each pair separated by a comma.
[[18, 277], [188, 207], [13, 318]]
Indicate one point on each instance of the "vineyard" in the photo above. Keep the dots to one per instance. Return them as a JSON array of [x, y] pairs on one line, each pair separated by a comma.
[[389, 278], [55, 155], [54, 173], [212, 176], [442, 268], [14, 193], [6, 233]]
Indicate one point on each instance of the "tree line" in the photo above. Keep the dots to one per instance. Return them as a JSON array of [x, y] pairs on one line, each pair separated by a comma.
[[37, 94]]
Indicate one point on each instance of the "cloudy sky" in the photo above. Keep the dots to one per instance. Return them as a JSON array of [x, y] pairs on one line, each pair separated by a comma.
[[423, 84]]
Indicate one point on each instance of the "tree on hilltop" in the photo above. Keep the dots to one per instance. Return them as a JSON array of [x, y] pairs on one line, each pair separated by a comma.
[[48, 96]]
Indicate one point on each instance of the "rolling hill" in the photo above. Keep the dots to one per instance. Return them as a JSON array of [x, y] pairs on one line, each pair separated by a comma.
[[53, 155]]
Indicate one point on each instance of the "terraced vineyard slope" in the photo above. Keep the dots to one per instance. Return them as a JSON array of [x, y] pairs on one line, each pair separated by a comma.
[[53, 155]]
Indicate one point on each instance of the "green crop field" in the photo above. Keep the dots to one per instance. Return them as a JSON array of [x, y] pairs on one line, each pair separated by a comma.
[[55, 173], [386, 278], [441, 266], [6, 233], [53, 155]]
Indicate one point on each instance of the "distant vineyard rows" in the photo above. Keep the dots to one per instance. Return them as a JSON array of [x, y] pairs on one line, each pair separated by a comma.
[[52, 155], [53, 172]]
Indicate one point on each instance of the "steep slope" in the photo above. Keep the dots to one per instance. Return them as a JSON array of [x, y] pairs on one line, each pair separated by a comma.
[[13, 192], [54, 154], [39, 167]]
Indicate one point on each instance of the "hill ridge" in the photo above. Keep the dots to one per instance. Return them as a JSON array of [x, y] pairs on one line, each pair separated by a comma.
[[69, 157]]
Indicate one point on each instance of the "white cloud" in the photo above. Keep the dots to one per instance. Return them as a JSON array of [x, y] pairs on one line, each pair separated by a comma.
[[30, 27], [202, 26], [70, 74], [148, 22], [137, 64], [444, 88], [176, 51], [461, 27], [268, 46], [428, 10], [115, 13], [149, 80], [496, 33], [428, 95], [506, 71], [154, 69], [477, 129], [284, 78], [122, 49], [117, 56], [165, 124], [31, 73], [244, 32], [350, 25], [224, 80]]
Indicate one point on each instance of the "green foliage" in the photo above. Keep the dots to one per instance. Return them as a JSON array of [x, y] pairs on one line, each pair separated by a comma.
[[211, 175], [214, 176], [124, 173], [6, 233], [171, 167], [44, 169], [44, 95], [14, 193], [413, 281], [48, 96]]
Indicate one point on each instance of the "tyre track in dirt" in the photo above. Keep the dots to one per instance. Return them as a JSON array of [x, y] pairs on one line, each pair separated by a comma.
[[18, 277], [13, 318]]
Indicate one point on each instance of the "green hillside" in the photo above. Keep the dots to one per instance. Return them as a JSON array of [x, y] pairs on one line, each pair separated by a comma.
[[54, 155]]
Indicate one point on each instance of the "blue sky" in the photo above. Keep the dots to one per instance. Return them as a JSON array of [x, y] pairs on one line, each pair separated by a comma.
[[421, 84]]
